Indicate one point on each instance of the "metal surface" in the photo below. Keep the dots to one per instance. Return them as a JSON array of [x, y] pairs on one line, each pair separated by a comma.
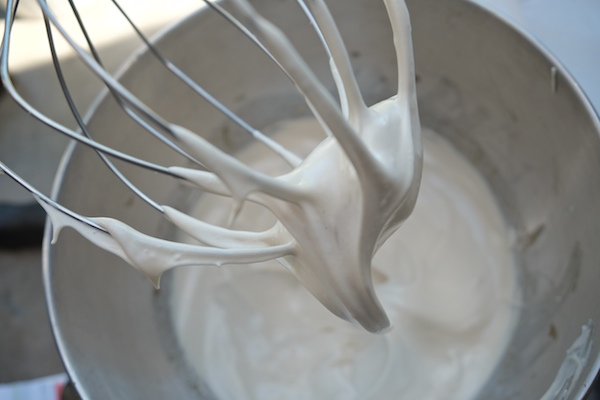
[[568, 28], [482, 85]]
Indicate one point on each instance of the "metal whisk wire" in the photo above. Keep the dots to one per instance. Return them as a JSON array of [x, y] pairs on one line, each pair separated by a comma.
[[135, 109]]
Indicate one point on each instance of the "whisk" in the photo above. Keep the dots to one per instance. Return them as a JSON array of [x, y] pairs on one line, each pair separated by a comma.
[[371, 158]]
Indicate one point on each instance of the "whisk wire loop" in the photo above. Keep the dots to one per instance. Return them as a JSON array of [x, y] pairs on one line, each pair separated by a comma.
[[82, 125]]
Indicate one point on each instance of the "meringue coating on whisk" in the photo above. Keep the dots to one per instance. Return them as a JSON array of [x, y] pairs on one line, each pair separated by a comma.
[[334, 209]]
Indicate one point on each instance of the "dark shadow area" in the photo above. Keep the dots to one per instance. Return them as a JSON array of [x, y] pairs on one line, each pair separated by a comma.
[[21, 226]]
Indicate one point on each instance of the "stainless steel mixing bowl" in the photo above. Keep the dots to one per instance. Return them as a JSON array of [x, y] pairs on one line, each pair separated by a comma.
[[505, 103]]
